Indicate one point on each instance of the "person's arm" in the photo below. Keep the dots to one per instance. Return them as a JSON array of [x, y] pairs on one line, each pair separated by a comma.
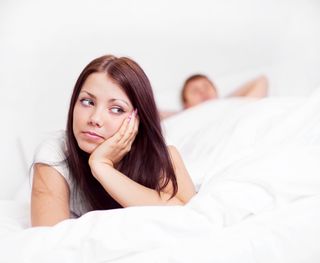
[[167, 114], [130, 193], [50, 197], [256, 88]]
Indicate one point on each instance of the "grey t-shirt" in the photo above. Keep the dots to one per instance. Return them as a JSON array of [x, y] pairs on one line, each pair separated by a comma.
[[52, 151]]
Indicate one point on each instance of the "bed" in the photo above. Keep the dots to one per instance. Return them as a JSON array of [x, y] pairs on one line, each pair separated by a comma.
[[255, 164]]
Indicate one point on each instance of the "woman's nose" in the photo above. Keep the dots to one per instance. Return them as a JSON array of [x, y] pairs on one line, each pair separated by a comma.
[[96, 119]]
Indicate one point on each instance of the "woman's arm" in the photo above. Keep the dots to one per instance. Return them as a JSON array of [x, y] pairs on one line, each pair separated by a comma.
[[50, 197], [186, 188], [256, 88], [129, 193]]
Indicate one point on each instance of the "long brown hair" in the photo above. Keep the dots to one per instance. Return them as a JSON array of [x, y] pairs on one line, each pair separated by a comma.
[[148, 161]]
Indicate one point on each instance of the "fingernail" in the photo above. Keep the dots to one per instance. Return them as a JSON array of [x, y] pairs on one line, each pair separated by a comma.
[[131, 115]]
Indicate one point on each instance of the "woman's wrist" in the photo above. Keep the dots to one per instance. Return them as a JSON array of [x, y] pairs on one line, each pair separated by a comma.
[[98, 166], [95, 161]]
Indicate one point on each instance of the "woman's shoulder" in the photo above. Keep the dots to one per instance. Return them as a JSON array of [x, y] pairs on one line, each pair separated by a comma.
[[52, 149], [174, 153], [171, 148]]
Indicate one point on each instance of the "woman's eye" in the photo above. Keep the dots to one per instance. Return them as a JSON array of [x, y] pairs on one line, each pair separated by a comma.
[[116, 110], [87, 102]]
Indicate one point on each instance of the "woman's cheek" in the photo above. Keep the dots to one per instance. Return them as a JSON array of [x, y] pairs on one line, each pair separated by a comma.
[[79, 116], [113, 128]]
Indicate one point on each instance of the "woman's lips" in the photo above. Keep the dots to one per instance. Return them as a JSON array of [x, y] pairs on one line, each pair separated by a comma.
[[92, 135]]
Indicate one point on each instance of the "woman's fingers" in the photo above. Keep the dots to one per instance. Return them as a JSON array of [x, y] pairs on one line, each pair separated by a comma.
[[133, 135], [129, 131], [135, 130], [118, 136], [123, 138]]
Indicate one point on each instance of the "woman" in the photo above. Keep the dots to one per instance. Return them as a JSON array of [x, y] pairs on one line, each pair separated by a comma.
[[112, 154]]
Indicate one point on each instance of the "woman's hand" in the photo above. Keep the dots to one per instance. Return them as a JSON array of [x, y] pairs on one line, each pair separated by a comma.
[[112, 150]]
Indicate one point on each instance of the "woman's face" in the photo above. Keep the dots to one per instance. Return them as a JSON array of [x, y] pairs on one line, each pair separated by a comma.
[[100, 110], [198, 91]]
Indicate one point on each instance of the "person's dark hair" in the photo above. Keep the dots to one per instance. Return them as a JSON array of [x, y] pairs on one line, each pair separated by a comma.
[[188, 80], [148, 161]]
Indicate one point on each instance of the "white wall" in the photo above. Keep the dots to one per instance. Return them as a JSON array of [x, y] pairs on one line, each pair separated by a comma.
[[45, 44]]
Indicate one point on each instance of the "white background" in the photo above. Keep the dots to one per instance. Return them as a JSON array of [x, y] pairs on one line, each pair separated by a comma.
[[45, 44]]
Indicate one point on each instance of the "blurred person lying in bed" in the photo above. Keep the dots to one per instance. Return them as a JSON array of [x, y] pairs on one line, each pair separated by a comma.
[[199, 88], [112, 154]]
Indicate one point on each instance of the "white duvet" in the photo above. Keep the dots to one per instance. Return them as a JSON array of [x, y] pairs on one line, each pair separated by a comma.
[[256, 165]]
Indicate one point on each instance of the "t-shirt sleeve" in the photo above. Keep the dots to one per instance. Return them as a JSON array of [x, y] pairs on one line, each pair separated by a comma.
[[52, 152]]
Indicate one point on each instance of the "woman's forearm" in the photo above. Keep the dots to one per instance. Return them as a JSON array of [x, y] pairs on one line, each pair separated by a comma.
[[128, 192]]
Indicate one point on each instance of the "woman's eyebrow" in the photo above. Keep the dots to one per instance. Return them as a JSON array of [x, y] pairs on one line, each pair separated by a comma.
[[112, 100], [91, 95]]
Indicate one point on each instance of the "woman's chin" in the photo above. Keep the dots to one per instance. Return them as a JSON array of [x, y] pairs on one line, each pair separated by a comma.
[[87, 147]]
